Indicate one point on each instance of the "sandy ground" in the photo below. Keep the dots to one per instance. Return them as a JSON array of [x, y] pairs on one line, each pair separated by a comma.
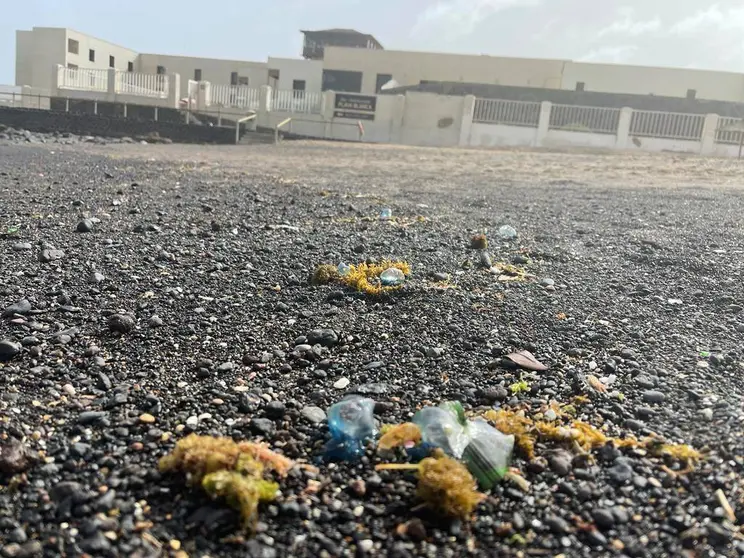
[[315, 163]]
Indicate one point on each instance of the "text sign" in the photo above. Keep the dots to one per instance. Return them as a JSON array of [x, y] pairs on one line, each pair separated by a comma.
[[346, 101]]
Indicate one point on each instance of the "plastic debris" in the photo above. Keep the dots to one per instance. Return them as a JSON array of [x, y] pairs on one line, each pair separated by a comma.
[[488, 454], [351, 422], [485, 451], [507, 232], [386, 213], [392, 277], [444, 484], [343, 269]]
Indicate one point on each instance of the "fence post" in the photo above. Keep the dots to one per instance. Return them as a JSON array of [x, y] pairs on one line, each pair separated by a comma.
[[155, 112], [126, 115], [466, 126], [543, 123], [111, 88], [623, 127], [95, 107], [708, 138], [67, 104]]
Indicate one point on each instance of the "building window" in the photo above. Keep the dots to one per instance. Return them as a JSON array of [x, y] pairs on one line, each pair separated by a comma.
[[130, 66], [72, 66], [112, 62], [298, 88], [73, 46], [234, 78], [243, 80], [691, 93], [344, 81], [197, 75], [382, 79], [160, 70], [92, 55], [579, 86]]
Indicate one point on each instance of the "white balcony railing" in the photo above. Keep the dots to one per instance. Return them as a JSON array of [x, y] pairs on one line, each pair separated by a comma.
[[125, 83], [297, 101], [236, 96], [82, 79]]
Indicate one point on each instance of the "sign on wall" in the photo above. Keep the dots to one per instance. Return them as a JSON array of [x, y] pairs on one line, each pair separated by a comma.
[[355, 107]]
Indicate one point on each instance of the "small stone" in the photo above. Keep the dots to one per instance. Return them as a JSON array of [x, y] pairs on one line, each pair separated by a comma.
[[262, 426], [120, 323], [22, 247], [97, 277], [8, 350], [342, 383], [416, 530], [22, 307], [91, 417], [441, 277], [155, 321], [14, 457], [653, 396], [147, 418], [85, 226], [547, 282], [314, 415], [706, 414], [324, 337], [366, 545], [434, 352], [558, 525], [603, 518], [275, 410], [621, 472], [51, 255]]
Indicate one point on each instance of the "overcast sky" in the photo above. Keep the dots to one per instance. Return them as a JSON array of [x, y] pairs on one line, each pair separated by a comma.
[[684, 33]]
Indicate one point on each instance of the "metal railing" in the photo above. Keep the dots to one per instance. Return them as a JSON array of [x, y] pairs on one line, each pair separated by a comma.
[[730, 130], [143, 85], [599, 120], [510, 113], [236, 96], [82, 79], [669, 125], [297, 101]]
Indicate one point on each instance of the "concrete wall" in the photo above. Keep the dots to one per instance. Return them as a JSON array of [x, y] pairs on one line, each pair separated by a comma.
[[37, 54], [102, 49], [673, 82], [494, 135], [291, 69], [432, 120], [41, 49], [409, 68], [46, 121], [213, 70]]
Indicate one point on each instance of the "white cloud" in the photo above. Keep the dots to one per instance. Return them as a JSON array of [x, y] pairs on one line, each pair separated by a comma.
[[629, 27], [612, 54], [456, 18], [713, 19]]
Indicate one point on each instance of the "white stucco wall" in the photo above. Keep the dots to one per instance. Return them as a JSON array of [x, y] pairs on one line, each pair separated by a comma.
[[216, 71], [673, 82], [409, 68], [493, 135], [103, 49], [38, 52], [290, 69]]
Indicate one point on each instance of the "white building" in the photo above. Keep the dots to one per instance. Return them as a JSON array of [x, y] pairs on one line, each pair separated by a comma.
[[362, 68]]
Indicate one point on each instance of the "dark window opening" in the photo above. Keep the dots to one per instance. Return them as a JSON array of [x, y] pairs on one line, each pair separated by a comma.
[[73, 46], [92, 55], [579, 86], [382, 79], [72, 66], [130, 66], [197, 75], [234, 78], [691, 93], [112, 62], [298, 88], [342, 80], [243, 80], [160, 70]]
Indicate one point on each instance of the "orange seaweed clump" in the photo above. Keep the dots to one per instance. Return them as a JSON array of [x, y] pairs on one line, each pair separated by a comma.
[[400, 435], [444, 484], [516, 424]]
